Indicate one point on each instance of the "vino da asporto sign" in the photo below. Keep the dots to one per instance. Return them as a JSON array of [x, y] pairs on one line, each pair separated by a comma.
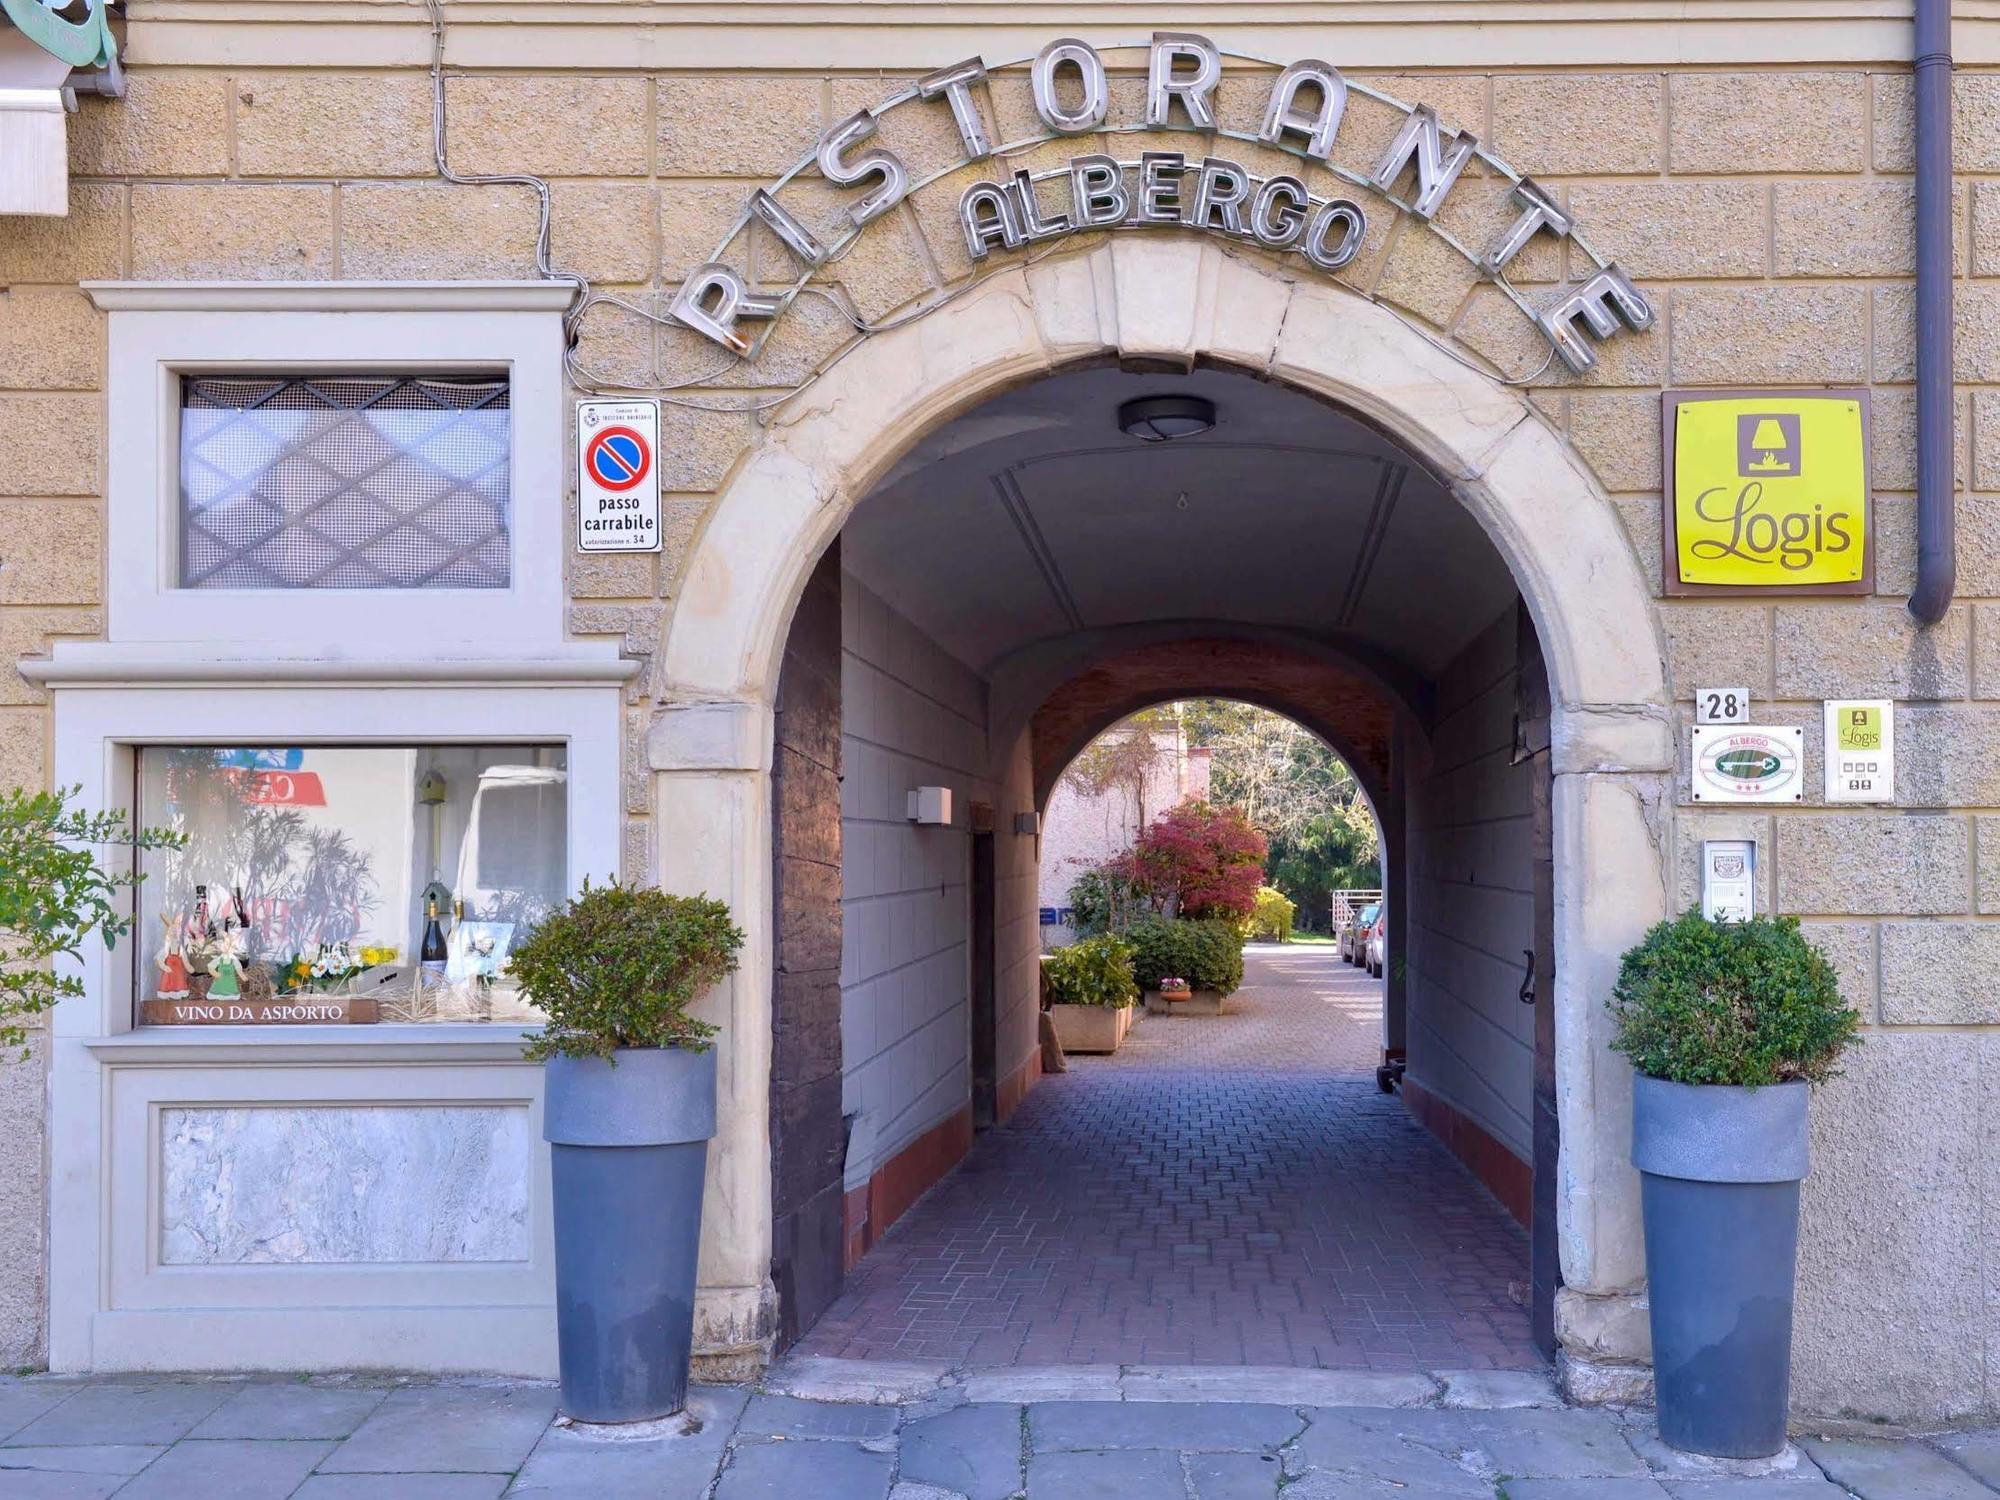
[[1013, 209]]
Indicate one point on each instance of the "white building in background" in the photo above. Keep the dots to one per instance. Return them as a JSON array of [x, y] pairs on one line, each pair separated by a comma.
[[1091, 820]]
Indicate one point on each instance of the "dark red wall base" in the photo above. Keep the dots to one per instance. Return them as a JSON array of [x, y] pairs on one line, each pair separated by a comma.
[[1506, 1176], [868, 1211]]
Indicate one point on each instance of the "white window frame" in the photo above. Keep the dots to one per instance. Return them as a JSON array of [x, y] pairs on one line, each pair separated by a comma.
[[162, 331], [112, 1306]]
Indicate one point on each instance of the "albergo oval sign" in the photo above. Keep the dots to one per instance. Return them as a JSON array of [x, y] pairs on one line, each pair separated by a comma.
[[1733, 764], [1070, 86]]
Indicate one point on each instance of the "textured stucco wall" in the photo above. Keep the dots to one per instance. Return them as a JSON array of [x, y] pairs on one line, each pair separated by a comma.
[[1766, 211], [910, 716], [1082, 827], [1470, 842]]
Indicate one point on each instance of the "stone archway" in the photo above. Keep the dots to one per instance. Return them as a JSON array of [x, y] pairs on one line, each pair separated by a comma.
[[1176, 300]]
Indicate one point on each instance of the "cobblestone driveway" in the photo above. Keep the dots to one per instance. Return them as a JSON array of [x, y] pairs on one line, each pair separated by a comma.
[[1231, 1190]]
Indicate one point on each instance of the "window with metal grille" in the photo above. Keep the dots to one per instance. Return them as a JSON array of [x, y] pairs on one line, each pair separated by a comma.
[[344, 482]]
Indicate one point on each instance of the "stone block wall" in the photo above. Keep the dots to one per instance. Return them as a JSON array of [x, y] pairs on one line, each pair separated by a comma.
[[1766, 211]]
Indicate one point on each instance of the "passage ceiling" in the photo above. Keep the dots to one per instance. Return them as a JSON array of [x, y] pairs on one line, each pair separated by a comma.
[[1034, 516]]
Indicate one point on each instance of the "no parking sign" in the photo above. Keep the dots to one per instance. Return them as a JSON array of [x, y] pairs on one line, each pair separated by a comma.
[[617, 476]]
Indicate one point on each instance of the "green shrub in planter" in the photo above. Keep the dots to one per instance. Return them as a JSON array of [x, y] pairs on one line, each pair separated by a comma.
[[1744, 1003], [618, 967], [1728, 1024], [1271, 918], [1096, 971], [628, 1111], [1208, 953]]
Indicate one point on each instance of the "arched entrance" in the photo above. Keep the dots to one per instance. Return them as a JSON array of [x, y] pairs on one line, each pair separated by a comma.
[[1171, 302]]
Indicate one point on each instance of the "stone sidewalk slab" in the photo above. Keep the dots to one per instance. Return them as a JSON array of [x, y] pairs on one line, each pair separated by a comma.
[[1023, 1383], [26, 1484], [1233, 1476], [152, 1413], [447, 1429], [1976, 1452], [878, 1382], [21, 1403], [1894, 1471], [791, 1417], [293, 1410], [777, 1470], [1277, 1383], [228, 1469], [1070, 1426], [974, 1451], [82, 1458], [405, 1487], [571, 1462], [1104, 1476], [1530, 1444]]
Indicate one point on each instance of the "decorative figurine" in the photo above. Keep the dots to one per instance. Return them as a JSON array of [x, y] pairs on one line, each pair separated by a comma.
[[173, 983], [227, 966]]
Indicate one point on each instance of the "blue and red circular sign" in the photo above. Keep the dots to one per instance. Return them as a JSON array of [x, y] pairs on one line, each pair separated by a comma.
[[618, 458]]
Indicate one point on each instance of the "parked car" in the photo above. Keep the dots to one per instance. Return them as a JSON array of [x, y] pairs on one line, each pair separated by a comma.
[[1378, 943], [1354, 933]]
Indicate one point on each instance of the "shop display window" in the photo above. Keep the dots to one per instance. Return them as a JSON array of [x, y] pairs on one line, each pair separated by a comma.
[[344, 482], [345, 884]]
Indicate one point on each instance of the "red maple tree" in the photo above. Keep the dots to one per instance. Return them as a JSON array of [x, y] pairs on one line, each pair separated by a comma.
[[1196, 860]]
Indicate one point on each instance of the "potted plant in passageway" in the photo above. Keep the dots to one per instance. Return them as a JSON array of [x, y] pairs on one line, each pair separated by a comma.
[[1091, 993], [628, 1110], [1206, 955], [1729, 1025]]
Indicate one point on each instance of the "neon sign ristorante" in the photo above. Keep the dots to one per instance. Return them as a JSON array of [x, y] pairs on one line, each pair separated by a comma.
[[1012, 210]]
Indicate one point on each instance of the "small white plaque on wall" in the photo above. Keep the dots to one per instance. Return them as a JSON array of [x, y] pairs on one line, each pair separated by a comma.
[[1861, 750], [1749, 763]]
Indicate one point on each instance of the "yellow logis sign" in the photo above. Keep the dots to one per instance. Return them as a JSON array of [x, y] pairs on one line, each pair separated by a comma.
[[1769, 491]]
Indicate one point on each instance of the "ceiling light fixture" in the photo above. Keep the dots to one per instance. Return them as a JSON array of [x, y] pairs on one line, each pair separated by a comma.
[[1161, 419]]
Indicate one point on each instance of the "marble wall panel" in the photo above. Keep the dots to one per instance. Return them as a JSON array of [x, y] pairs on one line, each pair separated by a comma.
[[344, 1184]]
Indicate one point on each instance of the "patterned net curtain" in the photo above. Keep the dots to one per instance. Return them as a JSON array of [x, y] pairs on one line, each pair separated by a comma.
[[344, 482]]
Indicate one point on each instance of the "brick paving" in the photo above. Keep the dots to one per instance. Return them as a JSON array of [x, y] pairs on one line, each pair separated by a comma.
[[1230, 1191]]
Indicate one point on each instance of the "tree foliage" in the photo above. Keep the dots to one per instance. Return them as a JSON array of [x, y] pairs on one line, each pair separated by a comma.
[[1294, 787], [1196, 860], [619, 965], [1746, 1003], [54, 895], [1271, 920]]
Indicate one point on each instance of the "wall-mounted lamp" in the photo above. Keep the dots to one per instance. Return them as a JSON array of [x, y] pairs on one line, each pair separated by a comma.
[[1027, 824], [930, 804]]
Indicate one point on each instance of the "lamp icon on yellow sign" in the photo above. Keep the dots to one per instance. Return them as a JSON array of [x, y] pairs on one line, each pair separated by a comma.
[[1767, 445]]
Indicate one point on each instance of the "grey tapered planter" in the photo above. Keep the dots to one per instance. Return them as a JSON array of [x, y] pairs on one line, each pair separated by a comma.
[[628, 1149], [1720, 1190]]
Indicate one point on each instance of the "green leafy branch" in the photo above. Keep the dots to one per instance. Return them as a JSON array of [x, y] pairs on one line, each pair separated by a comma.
[[54, 894]]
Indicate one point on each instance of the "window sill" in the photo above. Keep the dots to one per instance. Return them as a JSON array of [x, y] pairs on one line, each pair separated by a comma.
[[173, 1046], [103, 664]]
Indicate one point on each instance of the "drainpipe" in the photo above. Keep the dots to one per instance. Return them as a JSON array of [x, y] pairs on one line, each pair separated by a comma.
[[1937, 468]]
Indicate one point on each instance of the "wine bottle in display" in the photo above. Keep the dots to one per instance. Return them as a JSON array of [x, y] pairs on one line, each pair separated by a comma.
[[432, 954]]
